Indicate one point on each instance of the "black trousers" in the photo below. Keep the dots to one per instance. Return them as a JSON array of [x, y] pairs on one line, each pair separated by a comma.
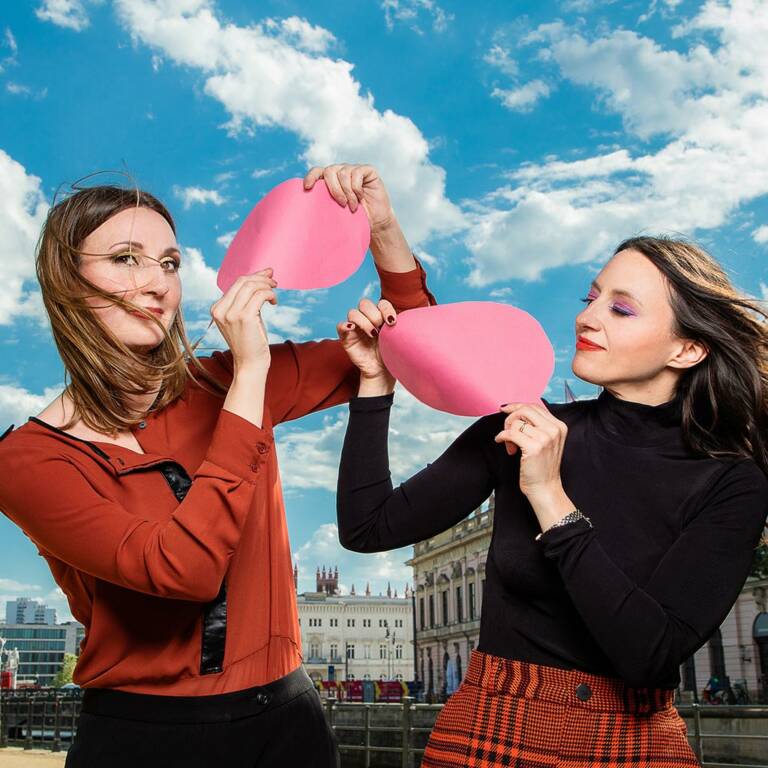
[[279, 724]]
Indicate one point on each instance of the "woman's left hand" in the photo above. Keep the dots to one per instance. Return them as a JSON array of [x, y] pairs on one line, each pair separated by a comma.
[[355, 185], [540, 441]]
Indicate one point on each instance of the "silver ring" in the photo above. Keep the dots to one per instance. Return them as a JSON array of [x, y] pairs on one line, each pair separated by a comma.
[[523, 425]]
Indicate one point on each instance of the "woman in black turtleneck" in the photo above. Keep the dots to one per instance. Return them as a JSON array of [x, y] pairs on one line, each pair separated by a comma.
[[624, 527]]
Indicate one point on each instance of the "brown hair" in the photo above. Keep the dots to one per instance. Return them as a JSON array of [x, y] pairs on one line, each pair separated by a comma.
[[103, 373], [725, 397]]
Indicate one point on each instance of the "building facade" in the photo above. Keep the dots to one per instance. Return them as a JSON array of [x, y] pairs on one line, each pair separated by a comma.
[[25, 610], [449, 582], [41, 649], [355, 637], [738, 650]]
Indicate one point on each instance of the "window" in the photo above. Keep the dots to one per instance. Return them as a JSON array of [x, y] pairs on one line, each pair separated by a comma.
[[314, 651], [350, 650], [366, 622], [398, 651], [382, 651], [334, 622], [367, 651], [459, 604], [431, 611], [398, 622], [334, 651], [350, 622], [421, 613], [471, 595], [444, 605]]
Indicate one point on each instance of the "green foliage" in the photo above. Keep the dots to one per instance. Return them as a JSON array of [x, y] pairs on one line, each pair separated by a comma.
[[760, 562], [64, 675]]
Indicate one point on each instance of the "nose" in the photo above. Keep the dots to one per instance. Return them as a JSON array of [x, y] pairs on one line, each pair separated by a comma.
[[154, 281], [587, 319]]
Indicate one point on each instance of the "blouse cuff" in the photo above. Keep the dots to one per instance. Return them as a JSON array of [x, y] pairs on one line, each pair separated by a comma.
[[406, 290], [239, 446]]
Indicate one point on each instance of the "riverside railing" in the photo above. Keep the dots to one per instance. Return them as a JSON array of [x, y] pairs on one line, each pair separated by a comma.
[[379, 734]]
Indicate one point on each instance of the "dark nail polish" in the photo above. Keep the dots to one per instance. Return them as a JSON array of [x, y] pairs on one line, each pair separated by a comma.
[[390, 319], [374, 333]]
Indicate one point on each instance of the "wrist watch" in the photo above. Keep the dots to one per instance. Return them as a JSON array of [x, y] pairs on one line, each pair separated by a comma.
[[571, 517]]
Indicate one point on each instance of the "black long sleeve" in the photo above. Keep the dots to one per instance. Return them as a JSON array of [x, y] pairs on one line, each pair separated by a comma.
[[671, 544], [372, 516]]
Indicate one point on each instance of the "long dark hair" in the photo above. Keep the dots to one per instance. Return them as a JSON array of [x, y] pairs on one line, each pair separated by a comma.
[[725, 397], [102, 372]]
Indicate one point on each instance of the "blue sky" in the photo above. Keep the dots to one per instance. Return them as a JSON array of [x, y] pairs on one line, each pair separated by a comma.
[[520, 142]]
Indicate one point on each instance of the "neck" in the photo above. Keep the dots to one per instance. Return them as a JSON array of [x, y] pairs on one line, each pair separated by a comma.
[[654, 392]]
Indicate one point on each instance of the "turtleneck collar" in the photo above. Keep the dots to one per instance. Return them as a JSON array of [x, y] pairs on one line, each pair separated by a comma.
[[638, 424]]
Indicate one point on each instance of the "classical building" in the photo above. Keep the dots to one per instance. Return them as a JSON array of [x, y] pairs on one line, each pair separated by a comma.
[[449, 580], [355, 637]]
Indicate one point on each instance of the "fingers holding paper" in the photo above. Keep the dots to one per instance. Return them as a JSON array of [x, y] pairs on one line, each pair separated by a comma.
[[353, 185], [237, 315], [359, 336]]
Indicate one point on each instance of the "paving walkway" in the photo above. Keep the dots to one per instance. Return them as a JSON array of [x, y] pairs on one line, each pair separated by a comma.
[[15, 757]]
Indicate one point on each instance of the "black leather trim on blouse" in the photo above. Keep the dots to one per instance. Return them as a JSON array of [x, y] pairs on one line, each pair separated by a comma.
[[214, 631]]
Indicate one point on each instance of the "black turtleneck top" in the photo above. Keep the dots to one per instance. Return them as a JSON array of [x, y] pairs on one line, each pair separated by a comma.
[[633, 596]]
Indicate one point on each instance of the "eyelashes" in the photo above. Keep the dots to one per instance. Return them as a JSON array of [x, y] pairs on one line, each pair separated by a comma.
[[617, 309]]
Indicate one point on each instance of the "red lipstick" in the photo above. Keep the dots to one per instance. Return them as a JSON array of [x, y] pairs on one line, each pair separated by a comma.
[[586, 345]]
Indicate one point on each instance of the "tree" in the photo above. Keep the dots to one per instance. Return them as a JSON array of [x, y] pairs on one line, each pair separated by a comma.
[[760, 561], [64, 675]]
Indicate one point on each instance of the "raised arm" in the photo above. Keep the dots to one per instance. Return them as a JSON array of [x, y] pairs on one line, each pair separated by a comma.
[[373, 516]]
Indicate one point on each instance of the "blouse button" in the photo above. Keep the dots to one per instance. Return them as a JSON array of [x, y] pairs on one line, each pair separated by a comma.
[[254, 467], [262, 447], [142, 424]]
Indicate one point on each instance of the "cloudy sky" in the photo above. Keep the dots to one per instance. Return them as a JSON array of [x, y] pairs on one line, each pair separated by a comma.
[[520, 142]]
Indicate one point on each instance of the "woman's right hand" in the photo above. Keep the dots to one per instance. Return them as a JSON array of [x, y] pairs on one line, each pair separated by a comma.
[[359, 336], [237, 315]]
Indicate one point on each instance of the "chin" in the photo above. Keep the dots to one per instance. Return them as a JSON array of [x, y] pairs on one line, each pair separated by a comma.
[[586, 372]]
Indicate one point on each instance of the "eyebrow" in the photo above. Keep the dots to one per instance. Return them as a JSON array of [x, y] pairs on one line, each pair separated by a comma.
[[618, 292], [139, 247]]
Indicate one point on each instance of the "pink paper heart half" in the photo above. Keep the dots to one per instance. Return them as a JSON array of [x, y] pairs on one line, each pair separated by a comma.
[[305, 236], [470, 357]]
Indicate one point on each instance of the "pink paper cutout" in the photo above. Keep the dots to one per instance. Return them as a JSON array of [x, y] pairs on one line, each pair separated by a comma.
[[470, 357], [305, 236]]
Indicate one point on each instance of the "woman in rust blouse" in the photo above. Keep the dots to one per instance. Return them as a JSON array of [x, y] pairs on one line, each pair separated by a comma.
[[151, 487]]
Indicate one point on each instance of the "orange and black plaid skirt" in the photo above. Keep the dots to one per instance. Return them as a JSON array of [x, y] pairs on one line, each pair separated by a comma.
[[520, 715]]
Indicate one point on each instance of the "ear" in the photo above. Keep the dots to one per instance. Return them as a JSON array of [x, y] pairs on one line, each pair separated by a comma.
[[688, 354]]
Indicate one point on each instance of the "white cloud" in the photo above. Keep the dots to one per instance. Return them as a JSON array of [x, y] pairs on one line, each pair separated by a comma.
[[760, 235], [22, 212], [18, 404], [301, 34], [225, 239], [196, 195], [64, 13], [11, 585], [418, 435], [263, 81], [499, 58], [410, 12], [708, 104], [524, 98], [380, 568], [198, 280], [8, 41]]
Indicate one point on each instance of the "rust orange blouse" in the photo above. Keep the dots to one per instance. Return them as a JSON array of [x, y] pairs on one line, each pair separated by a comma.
[[177, 560]]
